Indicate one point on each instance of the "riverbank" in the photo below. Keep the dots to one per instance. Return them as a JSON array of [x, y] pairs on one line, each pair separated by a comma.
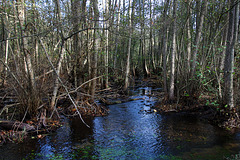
[[42, 125]]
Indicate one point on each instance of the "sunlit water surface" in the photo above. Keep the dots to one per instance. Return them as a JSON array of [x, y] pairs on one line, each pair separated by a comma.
[[132, 130]]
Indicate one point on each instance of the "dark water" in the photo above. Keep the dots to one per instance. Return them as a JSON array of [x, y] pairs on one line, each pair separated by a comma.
[[132, 130]]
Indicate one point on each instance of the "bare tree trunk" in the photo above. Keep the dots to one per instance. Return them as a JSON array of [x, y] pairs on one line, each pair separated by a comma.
[[143, 34], [189, 37], [229, 58], [151, 37], [56, 83], [17, 62], [126, 85], [165, 48], [35, 22], [29, 69], [172, 78], [95, 43], [117, 37], [76, 39], [88, 58], [222, 59], [59, 65], [198, 37], [107, 47], [5, 23]]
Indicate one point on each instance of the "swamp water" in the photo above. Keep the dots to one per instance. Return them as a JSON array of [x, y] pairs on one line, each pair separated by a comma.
[[132, 130]]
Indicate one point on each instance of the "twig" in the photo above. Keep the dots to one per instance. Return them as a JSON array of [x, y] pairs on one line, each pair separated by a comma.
[[106, 89], [38, 77], [75, 90], [7, 106], [91, 28]]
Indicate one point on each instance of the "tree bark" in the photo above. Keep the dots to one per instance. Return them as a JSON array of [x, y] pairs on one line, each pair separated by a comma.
[[198, 37], [221, 65], [56, 83], [107, 47], [165, 47], [5, 27], [189, 37], [76, 39], [173, 54], [131, 13], [117, 37], [29, 67], [229, 58], [59, 65], [96, 46]]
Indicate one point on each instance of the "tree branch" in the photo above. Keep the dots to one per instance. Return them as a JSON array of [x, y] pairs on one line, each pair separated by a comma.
[[91, 28]]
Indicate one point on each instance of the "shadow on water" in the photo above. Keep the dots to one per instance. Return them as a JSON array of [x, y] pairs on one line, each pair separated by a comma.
[[132, 130]]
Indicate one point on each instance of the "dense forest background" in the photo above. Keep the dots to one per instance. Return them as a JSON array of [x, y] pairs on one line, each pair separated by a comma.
[[55, 48]]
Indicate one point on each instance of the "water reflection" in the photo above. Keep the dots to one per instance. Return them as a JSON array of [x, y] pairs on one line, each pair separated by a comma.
[[59, 142], [128, 131]]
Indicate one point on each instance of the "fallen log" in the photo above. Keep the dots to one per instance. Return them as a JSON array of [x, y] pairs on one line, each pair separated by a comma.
[[15, 125]]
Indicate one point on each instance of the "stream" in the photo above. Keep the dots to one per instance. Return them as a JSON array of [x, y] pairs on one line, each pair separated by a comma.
[[132, 130]]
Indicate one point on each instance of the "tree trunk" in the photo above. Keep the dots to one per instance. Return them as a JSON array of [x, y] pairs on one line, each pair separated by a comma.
[[126, 85], [76, 40], [56, 84], [107, 47], [96, 46], [165, 48], [221, 66], [5, 23], [59, 65], [29, 67], [117, 37], [229, 58], [173, 53], [189, 37], [198, 37]]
